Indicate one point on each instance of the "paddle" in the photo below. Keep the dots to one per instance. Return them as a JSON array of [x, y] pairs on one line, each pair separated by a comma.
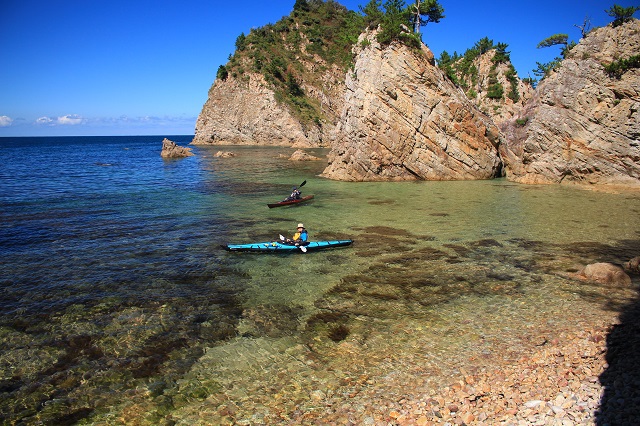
[[302, 184], [302, 248]]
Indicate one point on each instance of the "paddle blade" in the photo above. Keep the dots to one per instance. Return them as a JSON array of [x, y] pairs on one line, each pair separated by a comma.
[[303, 248], [302, 184], [282, 237]]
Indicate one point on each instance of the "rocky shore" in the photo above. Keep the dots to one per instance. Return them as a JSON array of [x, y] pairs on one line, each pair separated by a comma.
[[555, 385], [567, 380], [567, 354]]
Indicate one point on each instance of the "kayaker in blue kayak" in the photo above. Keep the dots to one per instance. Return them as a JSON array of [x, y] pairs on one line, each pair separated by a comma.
[[295, 194], [299, 237]]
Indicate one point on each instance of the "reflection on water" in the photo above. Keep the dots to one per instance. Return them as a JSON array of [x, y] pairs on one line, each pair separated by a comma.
[[132, 313]]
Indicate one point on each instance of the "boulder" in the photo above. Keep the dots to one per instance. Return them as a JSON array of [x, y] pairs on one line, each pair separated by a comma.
[[224, 154], [172, 150], [633, 265], [300, 155], [606, 273]]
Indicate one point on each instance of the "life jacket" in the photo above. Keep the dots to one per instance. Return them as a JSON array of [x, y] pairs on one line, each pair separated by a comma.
[[302, 236]]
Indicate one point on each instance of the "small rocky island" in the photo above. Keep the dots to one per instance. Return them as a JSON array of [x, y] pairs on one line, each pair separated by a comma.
[[170, 149]]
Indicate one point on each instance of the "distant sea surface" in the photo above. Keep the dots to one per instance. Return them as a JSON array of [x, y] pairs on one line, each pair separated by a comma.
[[119, 305]]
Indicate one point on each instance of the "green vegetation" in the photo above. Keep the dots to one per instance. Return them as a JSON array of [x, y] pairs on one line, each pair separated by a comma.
[[512, 76], [372, 13], [554, 40], [558, 39], [621, 14], [321, 29], [618, 68], [222, 73], [462, 71], [394, 18], [495, 89], [423, 12], [544, 69], [314, 29]]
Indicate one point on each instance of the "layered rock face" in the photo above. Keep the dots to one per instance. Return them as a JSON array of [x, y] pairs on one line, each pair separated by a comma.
[[404, 120], [582, 126], [500, 110], [245, 112]]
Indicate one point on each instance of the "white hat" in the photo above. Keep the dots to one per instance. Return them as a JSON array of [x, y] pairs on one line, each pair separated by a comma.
[[300, 225]]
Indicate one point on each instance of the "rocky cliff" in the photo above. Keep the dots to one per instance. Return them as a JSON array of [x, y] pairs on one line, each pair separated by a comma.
[[392, 114], [404, 120], [245, 112], [582, 125], [284, 85]]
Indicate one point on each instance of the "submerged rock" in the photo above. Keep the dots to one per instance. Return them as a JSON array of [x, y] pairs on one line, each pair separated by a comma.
[[606, 273], [224, 154], [300, 155], [170, 149], [633, 265]]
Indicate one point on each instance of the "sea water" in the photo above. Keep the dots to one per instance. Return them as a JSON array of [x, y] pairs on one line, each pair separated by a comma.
[[119, 305]]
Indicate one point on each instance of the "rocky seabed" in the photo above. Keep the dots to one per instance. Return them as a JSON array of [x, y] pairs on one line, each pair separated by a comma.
[[556, 384]]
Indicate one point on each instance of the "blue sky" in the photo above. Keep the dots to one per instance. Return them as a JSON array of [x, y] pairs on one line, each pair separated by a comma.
[[142, 67]]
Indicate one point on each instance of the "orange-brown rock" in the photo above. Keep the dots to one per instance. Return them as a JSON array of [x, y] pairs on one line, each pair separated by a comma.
[[404, 120], [170, 149], [582, 125]]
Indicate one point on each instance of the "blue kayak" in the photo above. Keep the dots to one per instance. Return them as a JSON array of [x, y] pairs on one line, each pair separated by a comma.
[[277, 246]]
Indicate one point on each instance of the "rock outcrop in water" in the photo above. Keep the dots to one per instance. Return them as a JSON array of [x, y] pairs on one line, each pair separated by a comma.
[[285, 83], [582, 125], [170, 149], [404, 120]]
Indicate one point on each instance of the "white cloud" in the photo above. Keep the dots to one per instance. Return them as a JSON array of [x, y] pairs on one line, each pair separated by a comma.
[[44, 120], [71, 120], [74, 124], [65, 120], [5, 121]]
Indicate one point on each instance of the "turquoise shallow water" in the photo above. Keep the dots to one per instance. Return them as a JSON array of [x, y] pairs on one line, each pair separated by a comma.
[[119, 303]]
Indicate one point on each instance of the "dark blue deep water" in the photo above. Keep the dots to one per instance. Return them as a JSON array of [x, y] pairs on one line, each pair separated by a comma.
[[85, 218]]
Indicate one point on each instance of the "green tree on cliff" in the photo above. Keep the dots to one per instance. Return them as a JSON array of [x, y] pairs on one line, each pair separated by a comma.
[[372, 13], [621, 14], [544, 69], [483, 45], [301, 6], [397, 17], [557, 39], [425, 11], [392, 21]]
